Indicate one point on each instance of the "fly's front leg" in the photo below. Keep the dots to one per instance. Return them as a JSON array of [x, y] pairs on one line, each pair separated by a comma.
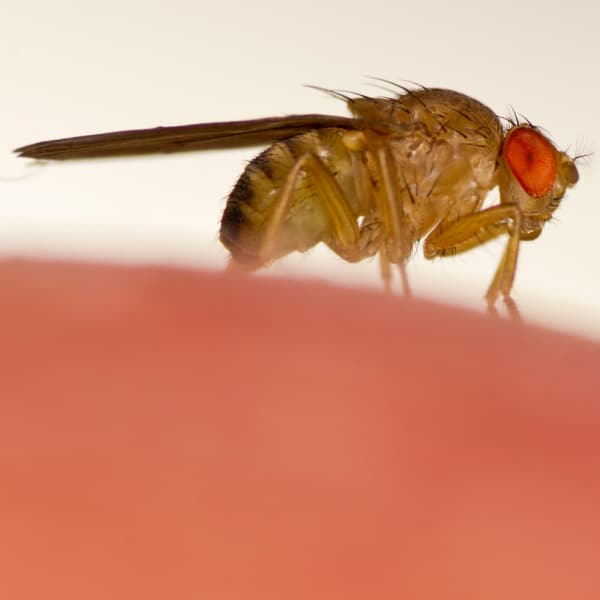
[[345, 228], [475, 229]]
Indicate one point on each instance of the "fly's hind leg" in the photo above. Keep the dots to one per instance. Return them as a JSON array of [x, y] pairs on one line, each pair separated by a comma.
[[345, 232], [475, 229]]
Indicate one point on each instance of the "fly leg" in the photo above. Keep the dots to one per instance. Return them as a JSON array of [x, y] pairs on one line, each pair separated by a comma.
[[345, 232], [475, 229], [404, 279], [376, 179], [399, 237], [386, 272]]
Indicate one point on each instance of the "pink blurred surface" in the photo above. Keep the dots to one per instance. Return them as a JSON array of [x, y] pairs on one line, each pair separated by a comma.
[[175, 434]]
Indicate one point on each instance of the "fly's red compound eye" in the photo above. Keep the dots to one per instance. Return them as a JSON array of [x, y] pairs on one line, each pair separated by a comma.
[[532, 159]]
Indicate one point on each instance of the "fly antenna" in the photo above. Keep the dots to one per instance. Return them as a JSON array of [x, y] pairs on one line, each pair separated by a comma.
[[581, 153]]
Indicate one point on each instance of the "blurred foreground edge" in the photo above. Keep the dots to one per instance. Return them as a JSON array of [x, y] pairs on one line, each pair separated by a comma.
[[171, 433]]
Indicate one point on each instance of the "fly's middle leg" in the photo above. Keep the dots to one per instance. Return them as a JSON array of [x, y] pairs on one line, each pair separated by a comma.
[[399, 237], [386, 272]]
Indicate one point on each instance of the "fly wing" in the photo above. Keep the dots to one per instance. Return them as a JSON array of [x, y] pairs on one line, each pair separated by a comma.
[[202, 136]]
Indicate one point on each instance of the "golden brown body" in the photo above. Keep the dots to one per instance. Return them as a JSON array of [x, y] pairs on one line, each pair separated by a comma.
[[422, 168], [415, 166], [432, 164]]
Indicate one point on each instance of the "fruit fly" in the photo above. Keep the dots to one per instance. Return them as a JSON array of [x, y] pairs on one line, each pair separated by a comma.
[[403, 168]]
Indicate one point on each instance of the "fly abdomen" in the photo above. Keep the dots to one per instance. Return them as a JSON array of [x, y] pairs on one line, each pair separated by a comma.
[[306, 222]]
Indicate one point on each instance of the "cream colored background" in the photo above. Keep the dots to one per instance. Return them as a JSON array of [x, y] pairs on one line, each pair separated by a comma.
[[72, 67]]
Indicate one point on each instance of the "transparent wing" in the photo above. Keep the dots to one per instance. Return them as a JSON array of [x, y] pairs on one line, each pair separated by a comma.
[[184, 137]]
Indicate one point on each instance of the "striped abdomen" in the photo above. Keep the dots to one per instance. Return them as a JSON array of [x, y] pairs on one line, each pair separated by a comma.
[[306, 223]]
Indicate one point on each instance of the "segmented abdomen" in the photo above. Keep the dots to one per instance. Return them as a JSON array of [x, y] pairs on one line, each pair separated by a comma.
[[251, 201]]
